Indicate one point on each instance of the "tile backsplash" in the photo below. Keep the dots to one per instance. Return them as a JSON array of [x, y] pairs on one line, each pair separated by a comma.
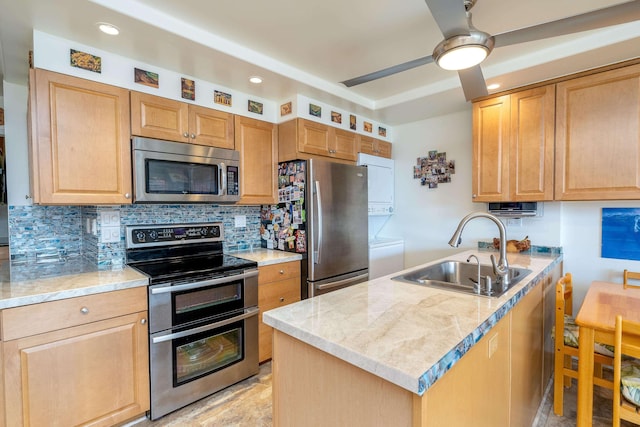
[[57, 233]]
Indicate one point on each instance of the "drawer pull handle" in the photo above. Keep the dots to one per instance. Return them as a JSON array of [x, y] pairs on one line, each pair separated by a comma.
[[143, 321], [281, 299], [84, 310], [281, 271]]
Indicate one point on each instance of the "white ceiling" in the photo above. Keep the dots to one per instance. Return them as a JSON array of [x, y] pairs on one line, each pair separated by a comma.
[[308, 47]]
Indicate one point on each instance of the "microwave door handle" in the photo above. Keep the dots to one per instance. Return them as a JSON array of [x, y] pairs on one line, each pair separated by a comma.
[[319, 240], [223, 179]]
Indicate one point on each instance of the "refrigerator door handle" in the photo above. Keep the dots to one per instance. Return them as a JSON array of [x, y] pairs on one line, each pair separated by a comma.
[[326, 286], [319, 197]]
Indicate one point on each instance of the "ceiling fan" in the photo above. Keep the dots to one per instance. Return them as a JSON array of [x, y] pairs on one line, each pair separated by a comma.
[[464, 47]]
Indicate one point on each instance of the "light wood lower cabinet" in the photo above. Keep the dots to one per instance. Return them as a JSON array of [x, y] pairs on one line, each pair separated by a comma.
[[278, 285], [526, 358], [93, 373], [498, 382]]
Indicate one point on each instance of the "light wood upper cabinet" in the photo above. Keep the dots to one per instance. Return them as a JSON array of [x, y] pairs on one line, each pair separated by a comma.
[[513, 143], [373, 146], [257, 142], [156, 117], [95, 372], [302, 139], [598, 136], [80, 151]]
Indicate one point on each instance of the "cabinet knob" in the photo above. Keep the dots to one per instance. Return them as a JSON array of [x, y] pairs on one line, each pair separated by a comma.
[[143, 321], [473, 196], [127, 195], [281, 299], [281, 271], [193, 136], [84, 310], [186, 134]]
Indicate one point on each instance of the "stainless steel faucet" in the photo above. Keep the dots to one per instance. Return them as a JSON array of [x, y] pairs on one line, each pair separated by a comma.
[[501, 268]]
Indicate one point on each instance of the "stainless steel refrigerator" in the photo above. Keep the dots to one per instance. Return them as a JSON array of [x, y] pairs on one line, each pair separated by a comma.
[[337, 226], [322, 213]]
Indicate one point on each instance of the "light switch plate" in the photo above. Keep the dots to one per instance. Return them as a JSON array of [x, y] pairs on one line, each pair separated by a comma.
[[110, 234], [110, 218]]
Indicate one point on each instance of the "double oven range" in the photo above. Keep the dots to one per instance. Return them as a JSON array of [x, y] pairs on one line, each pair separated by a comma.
[[203, 311]]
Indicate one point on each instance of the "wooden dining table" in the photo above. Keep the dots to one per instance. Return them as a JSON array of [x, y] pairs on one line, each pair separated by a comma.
[[596, 319]]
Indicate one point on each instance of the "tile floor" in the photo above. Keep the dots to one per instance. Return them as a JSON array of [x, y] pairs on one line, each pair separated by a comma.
[[248, 404]]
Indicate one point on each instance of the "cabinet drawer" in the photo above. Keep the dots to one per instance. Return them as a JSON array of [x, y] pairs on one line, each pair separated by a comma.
[[35, 319], [276, 294], [273, 272]]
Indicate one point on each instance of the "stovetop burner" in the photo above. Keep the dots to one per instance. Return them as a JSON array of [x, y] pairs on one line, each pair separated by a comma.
[[180, 252], [208, 266]]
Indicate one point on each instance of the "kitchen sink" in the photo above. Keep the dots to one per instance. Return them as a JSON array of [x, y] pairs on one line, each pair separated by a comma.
[[462, 277]]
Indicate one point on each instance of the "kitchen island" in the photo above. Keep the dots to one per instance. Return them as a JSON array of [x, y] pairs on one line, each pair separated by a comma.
[[386, 353]]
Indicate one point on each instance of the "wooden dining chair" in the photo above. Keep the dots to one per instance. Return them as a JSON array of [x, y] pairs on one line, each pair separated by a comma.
[[566, 345], [633, 275], [626, 373]]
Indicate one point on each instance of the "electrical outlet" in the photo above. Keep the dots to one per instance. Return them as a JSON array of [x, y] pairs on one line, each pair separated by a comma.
[[240, 221], [109, 234], [514, 222]]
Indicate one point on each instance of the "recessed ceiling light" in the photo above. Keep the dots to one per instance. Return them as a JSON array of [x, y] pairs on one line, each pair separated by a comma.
[[255, 79], [493, 86], [107, 28]]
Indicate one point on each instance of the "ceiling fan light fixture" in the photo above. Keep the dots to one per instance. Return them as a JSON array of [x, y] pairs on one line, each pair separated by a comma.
[[463, 51]]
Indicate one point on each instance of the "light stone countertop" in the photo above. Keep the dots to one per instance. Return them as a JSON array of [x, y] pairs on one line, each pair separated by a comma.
[[408, 334], [267, 256], [19, 286]]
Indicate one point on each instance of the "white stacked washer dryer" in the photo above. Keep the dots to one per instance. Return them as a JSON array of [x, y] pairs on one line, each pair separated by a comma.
[[386, 254]]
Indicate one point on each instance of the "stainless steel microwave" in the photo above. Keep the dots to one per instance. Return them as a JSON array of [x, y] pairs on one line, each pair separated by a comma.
[[175, 172]]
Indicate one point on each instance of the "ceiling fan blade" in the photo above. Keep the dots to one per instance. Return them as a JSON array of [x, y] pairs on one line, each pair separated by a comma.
[[388, 71], [450, 16], [473, 83], [613, 15]]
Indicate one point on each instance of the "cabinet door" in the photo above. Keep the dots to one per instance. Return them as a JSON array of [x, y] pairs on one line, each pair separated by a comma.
[[256, 141], [95, 374], [526, 358], [313, 138], [82, 153], [475, 392], [366, 144], [343, 145], [531, 148], [383, 149], [211, 127], [598, 136], [490, 168], [157, 117]]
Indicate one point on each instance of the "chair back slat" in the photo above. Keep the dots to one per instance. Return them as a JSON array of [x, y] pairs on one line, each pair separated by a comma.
[[627, 343], [630, 275]]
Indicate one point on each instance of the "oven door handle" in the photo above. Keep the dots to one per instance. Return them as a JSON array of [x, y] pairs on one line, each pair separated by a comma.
[[249, 312], [189, 286]]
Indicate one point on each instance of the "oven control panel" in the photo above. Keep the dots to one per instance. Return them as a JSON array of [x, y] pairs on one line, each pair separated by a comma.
[[172, 234]]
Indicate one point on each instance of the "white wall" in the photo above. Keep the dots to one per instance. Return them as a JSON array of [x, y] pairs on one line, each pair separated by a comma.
[[426, 218]]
